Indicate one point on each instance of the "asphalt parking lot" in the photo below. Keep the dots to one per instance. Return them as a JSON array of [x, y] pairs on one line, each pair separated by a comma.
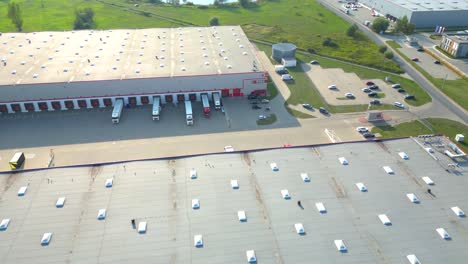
[[347, 83], [94, 125]]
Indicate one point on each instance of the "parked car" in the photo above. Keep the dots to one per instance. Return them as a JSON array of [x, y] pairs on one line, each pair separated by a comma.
[[375, 102], [398, 104], [373, 87], [368, 135], [307, 106], [410, 97], [252, 96], [437, 62], [372, 94], [366, 90], [256, 107], [369, 83], [332, 87], [286, 77], [362, 129], [396, 85], [420, 49], [314, 62], [323, 110], [401, 90], [281, 72], [349, 95], [415, 59], [254, 102], [265, 101]]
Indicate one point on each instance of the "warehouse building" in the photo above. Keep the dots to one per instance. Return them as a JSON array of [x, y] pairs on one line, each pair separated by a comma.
[[48, 71], [455, 44], [424, 13]]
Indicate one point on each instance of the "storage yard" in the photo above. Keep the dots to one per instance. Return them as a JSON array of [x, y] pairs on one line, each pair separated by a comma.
[[382, 223], [48, 71]]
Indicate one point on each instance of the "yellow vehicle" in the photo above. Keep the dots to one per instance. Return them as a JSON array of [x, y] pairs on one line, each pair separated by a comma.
[[17, 161]]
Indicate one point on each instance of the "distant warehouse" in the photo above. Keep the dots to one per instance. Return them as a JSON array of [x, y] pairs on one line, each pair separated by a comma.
[[424, 13], [48, 71]]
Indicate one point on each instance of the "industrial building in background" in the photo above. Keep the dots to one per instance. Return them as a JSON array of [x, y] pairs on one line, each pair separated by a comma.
[[47, 71], [424, 13], [284, 53], [455, 44]]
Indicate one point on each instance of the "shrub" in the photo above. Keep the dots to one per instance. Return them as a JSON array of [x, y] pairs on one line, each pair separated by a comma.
[[214, 21]]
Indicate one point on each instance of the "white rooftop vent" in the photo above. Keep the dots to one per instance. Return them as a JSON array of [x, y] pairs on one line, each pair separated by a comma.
[[142, 47], [60, 202], [20, 45], [361, 187], [181, 39], [207, 63], [285, 194], [141, 54], [205, 55], [121, 52], [251, 258], [183, 69], [51, 58], [443, 234], [128, 33], [44, 41], [195, 204], [220, 44], [241, 215], [114, 67], [274, 166], [198, 240], [104, 42], [35, 75], [43, 66], [77, 53], [234, 184], [181, 45], [384, 219], [413, 198], [182, 60], [182, 52], [305, 177], [225, 58], [241, 46], [70, 61], [13, 72], [229, 66], [31, 55], [427, 180], [101, 214], [92, 64], [109, 183], [22, 190], [237, 40], [163, 50], [23, 62], [218, 37], [340, 245], [234, 34], [138, 62], [202, 41], [12, 51], [413, 259], [4, 224], [81, 46], [321, 208], [100, 49], [38, 48], [57, 50], [199, 30], [244, 53], [51, 35], [299, 228], [343, 161], [162, 57], [223, 51], [97, 56], [4, 42], [161, 65], [87, 73], [458, 211], [142, 227], [137, 71], [203, 48], [65, 69], [118, 59], [63, 43], [145, 34]]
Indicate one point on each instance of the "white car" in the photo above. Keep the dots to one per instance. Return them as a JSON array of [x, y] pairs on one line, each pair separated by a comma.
[[398, 104], [332, 87], [362, 129], [262, 117], [349, 95]]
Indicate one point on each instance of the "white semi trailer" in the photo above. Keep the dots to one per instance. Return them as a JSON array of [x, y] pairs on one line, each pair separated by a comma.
[[117, 111], [188, 113], [156, 107]]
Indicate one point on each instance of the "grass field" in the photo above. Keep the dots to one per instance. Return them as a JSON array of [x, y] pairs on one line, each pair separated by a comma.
[[455, 89], [302, 22], [433, 126]]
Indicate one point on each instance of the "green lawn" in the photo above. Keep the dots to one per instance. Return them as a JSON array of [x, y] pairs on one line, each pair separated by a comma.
[[272, 90], [305, 23], [268, 121], [434, 126], [297, 114], [455, 89]]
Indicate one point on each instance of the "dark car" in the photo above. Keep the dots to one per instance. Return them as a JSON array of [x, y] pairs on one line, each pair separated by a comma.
[[415, 59], [410, 97], [373, 87], [314, 62], [252, 97], [437, 62], [366, 90], [254, 102], [369, 83], [281, 72], [256, 107], [401, 90], [375, 102], [323, 110], [420, 49], [368, 135], [372, 94]]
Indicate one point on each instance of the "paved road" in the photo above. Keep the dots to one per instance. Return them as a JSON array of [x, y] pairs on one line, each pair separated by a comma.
[[439, 99]]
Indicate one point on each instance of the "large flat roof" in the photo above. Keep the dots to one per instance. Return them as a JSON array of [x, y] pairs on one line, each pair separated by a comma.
[[89, 55], [432, 5], [160, 193]]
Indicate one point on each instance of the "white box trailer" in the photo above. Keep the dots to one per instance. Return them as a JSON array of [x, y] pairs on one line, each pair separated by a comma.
[[188, 113], [217, 100], [156, 107], [117, 111]]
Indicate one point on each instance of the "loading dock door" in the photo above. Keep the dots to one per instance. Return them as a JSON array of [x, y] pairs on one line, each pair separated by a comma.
[[56, 105], [29, 107], [82, 103], [236, 92], [180, 97], [132, 101], [192, 97], [168, 98], [43, 106], [225, 92], [95, 103], [16, 107], [69, 104], [144, 100], [3, 109], [107, 102]]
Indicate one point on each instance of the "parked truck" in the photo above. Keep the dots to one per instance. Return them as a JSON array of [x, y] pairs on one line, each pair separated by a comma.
[[217, 100], [206, 104], [156, 107], [188, 113], [117, 111]]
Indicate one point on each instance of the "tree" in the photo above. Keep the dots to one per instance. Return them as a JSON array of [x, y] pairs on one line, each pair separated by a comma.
[[84, 19], [380, 24], [382, 49], [352, 30], [15, 14], [214, 21], [244, 3], [388, 55], [403, 25]]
